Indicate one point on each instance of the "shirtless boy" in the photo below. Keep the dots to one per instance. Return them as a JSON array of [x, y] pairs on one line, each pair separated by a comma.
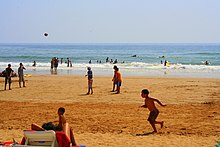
[[62, 126], [149, 103]]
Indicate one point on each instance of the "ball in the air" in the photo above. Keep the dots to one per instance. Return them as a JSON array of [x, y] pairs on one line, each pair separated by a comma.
[[45, 34]]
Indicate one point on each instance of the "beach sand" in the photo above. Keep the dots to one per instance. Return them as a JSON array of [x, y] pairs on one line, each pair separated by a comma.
[[191, 117]]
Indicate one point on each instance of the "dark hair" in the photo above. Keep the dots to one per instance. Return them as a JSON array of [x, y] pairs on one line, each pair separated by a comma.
[[115, 67], [145, 91], [49, 126], [61, 109]]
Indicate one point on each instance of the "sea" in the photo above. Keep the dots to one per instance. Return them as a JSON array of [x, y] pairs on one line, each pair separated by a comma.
[[183, 60]]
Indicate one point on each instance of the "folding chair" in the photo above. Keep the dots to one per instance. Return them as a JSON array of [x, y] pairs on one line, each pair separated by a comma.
[[39, 139]]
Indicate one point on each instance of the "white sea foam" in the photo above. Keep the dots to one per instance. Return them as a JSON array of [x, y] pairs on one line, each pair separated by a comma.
[[133, 68]]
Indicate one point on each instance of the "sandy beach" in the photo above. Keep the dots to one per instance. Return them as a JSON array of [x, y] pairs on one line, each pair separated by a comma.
[[192, 114]]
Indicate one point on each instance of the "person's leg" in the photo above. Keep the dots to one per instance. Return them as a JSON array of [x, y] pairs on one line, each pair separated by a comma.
[[154, 127], [6, 80], [152, 119], [113, 87], [91, 86], [20, 81], [23, 81], [69, 133], [9, 83], [159, 122], [88, 88], [118, 87], [36, 127]]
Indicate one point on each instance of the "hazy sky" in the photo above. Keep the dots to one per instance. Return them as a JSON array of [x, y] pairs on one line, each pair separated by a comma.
[[110, 21]]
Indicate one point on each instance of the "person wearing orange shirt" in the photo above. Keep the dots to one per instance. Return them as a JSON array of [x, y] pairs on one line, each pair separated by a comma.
[[118, 79]]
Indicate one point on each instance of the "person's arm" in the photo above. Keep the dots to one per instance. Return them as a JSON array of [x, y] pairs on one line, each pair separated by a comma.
[[62, 121], [159, 102], [145, 104], [36, 127]]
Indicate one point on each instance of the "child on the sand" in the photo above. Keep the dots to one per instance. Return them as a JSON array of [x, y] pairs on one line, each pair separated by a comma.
[[149, 103], [62, 126], [90, 80]]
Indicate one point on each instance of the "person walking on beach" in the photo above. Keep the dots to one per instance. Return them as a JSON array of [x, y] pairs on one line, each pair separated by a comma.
[[118, 78], [149, 103], [90, 80], [114, 80], [8, 75], [21, 74]]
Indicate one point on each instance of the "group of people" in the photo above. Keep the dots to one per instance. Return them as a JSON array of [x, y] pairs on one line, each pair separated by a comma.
[[54, 63], [117, 80], [8, 73], [149, 101], [64, 126], [107, 60]]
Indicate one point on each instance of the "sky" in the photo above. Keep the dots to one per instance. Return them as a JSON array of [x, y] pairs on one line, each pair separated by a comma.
[[110, 21]]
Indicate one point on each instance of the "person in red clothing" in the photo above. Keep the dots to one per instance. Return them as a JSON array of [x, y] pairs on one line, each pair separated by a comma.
[[118, 78]]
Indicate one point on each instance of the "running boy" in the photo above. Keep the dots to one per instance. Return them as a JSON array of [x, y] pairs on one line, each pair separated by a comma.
[[149, 103], [90, 80]]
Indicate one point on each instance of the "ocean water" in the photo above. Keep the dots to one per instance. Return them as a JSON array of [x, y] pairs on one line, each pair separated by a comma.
[[185, 60]]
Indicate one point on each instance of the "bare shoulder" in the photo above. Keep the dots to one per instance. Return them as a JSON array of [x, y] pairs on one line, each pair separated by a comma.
[[152, 99]]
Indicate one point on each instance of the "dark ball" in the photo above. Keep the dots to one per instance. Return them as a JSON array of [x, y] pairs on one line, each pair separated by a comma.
[[46, 34]]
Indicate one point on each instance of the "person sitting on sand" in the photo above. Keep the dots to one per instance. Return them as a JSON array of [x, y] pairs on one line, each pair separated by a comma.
[[149, 103], [62, 126]]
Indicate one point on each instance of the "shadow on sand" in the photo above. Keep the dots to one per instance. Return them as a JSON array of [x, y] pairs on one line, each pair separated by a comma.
[[145, 134]]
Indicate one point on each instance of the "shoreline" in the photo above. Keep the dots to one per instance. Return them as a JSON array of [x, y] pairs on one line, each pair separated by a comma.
[[151, 73]]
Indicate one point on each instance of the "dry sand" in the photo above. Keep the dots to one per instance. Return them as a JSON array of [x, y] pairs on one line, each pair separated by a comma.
[[192, 114]]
